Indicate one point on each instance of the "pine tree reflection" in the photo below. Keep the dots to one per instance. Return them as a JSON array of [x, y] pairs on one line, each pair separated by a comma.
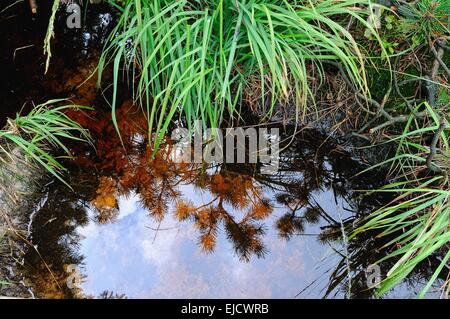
[[238, 203], [243, 195]]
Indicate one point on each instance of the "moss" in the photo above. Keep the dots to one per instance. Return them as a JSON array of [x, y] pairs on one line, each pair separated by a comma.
[[379, 82], [446, 57]]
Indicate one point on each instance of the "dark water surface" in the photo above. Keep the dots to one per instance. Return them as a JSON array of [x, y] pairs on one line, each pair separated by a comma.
[[158, 229], [134, 227]]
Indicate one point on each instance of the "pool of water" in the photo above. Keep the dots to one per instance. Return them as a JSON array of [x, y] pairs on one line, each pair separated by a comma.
[[136, 227], [159, 229]]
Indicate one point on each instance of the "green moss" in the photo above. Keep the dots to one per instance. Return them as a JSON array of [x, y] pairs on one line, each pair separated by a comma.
[[379, 82]]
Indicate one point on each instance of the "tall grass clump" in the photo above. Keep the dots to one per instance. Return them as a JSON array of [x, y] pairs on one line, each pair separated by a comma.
[[418, 220], [45, 128], [200, 59]]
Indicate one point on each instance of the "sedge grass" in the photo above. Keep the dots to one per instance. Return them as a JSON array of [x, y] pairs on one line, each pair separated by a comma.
[[195, 59], [46, 127], [419, 218]]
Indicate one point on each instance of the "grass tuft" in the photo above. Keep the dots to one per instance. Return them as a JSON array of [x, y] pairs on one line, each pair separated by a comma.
[[198, 60], [418, 220], [44, 128]]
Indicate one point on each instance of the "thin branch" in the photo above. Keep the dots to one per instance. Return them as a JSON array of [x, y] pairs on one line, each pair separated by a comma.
[[379, 106], [433, 148], [438, 55], [397, 87], [398, 119]]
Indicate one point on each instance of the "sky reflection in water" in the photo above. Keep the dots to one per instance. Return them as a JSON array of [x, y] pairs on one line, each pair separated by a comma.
[[156, 229], [129, 256]]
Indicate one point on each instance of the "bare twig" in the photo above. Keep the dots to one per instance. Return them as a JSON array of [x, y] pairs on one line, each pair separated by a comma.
[[21, 48], [438, 54], [433, 147], [379, 106], [398, 119], [10, 6], [397, 87]]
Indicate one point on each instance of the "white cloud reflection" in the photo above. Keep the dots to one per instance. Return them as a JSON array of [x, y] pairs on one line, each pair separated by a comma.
[[126, 257]]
